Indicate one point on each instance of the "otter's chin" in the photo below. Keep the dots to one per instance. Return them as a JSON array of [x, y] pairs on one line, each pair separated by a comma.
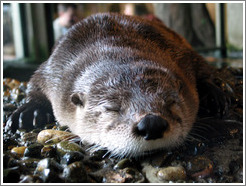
[[122, 145]]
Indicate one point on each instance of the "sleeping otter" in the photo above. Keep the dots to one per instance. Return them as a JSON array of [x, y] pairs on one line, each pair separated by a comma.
[[120, 82]]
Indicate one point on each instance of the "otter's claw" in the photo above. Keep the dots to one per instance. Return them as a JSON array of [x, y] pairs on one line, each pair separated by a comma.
[[29, 116]]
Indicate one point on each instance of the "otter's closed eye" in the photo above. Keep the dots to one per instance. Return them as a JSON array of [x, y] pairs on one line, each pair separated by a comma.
[[112, 108]]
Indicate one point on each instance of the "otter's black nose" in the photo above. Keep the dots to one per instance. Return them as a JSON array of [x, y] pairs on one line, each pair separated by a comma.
[[151, 127]]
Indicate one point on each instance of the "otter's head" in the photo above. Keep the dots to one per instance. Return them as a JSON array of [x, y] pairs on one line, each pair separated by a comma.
[[133, 109]]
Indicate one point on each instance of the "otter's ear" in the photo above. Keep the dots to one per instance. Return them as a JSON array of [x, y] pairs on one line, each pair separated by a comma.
[[77, 99]]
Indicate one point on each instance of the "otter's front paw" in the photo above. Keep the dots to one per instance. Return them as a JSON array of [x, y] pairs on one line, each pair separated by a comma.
[[213, 101], [29, 116]]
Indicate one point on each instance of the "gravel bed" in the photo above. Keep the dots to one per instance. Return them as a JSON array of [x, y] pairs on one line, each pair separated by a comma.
[[214, 153]]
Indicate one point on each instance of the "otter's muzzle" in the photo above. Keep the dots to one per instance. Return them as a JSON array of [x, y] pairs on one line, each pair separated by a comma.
[[151, 127]]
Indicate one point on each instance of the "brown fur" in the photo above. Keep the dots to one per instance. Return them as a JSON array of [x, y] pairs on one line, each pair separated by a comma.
[[130, 65]]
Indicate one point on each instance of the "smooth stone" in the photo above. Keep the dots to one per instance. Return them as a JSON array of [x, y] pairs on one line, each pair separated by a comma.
[[75, 173], [123, 164], [18, 151], [171, 173], [71, 157], [29, 137], [126, 175], [200, 167], [48, 152], [50, 136], [66, 146], [164, 174], [98, 155], [50, 176], [33, 150], [13, 83], [48, 163], [29, 162]]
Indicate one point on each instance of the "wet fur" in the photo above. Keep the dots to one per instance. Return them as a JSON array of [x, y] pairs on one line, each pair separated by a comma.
[[100, 59]]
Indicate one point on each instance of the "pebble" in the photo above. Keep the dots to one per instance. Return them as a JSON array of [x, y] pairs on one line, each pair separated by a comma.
[[29, 137], [123, 164], [48, 152], [50, 176], [11, 175], [71, 157], [18, 151], [50, 136], [164, 174], [67, 146], [20, 132], [98, 155], [9, 143], [200, 167], [33, 150], [13, 83], [48, 163], [126, 175], [31, 179], [171, 173], [29, 162], [75, 173], [9, 107]]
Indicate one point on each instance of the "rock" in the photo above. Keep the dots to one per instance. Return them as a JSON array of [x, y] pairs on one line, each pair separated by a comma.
[[200, 167], [71, 157], [171, 173], [29, 162], [9, 143], [48, 163], [11, 175], [66, 146], [48, 170], [127, 175], [123, 164], [13, 83], [20, 132], [50, 176], [50, 136], [9, 107], [30, 179], [164, 174], [98, 155], [29, 137], [33, 150], [75, 173], [48, 152], [18, 151]]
